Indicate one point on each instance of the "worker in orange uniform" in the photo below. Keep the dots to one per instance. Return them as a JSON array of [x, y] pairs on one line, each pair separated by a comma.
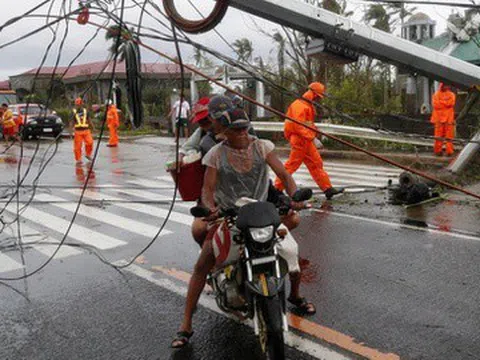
[[303, 149], [443, 117], [81, 123], [113, 122], [8, 123]]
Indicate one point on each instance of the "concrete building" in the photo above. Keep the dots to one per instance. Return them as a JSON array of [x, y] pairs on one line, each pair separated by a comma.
[[92, 80]]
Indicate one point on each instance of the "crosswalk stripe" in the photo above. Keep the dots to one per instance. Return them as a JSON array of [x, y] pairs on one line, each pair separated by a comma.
[[150, 183], [165, 178], [103, 216], [361, 167], [308, 180], [8, 264], [146, 209], [77, 232], [154, 196], [30, 235], [364, 172], [336, 175]]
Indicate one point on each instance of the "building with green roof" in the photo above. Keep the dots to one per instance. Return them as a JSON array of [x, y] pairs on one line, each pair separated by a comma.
[[461, 40]]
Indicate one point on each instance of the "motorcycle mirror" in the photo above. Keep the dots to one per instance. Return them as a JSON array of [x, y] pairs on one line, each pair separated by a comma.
[[302, 195], [199, 211]]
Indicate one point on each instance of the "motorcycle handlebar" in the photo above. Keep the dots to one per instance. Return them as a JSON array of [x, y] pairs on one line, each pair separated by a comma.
[[284, 205]]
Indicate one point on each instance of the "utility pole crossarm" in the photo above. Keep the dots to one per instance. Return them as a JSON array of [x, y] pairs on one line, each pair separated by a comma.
[[307, 17]]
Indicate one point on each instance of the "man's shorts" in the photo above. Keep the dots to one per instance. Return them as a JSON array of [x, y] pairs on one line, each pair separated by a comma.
[[9, 131], [182, 122]]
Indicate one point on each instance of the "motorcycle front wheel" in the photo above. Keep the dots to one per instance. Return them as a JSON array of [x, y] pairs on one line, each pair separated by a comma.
[[271, 314]]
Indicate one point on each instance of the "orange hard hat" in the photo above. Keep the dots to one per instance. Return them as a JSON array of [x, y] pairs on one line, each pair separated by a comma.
[[78, 101], [318, 88]]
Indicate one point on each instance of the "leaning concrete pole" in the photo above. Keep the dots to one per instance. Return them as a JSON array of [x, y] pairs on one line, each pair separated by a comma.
[[472, 148]]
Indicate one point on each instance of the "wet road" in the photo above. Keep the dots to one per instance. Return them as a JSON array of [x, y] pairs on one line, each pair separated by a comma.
[[382, 290]]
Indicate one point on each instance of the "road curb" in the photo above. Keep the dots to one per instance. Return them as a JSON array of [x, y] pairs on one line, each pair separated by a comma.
[[425, 158]]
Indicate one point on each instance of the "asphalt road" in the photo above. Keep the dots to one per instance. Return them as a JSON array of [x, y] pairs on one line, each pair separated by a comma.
[[382, 290]]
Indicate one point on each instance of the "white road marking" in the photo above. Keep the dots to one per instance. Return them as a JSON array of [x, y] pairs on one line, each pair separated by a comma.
[[32, 236], [150, 183], [8, 264], [154, 196], [354, 175], [304, 345], [372, 172], [165, 178], [337, 181], [106, 217], [361, 166], [398, 225], [77, 232], [146, 209]]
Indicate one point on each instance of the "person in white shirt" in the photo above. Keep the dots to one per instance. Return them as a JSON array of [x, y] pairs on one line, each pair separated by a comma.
[[181, 114]]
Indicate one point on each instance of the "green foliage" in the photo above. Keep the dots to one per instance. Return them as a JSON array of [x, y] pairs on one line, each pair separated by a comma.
[[156, 100], [244, 49], [126, 36], [378, 15], [64, 113]]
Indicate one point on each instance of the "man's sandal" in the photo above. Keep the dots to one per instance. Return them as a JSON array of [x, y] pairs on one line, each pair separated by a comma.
[[181, 339], [302, 306]]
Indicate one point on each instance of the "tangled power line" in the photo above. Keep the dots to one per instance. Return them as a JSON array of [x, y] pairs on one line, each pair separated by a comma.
[[113, 12]]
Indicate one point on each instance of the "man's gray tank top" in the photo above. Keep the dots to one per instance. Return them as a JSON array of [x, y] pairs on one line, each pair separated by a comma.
[[232, 185]]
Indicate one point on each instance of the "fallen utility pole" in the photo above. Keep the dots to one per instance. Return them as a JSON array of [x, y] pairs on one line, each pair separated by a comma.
[[308, 17], [471, 149]]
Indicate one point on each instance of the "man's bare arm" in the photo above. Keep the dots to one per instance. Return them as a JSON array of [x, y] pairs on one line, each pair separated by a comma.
[[208, 189]]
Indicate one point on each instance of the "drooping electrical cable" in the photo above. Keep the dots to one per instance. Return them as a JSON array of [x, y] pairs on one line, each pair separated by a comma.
[[65, 235], [177, 41]]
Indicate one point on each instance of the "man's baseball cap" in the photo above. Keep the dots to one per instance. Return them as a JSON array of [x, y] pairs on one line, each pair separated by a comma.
[[218, 105], [78, 101], [318, 88], [234, 118], [200, 110]]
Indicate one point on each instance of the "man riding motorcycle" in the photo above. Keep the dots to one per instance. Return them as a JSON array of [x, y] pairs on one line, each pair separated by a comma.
[[237, 167], [214, 135]]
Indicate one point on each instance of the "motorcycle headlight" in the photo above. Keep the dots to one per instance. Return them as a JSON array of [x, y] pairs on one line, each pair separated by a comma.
[[262, 235]]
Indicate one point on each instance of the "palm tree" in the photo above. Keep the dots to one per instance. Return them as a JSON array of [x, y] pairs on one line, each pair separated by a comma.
[[244, 49], [126, 36]]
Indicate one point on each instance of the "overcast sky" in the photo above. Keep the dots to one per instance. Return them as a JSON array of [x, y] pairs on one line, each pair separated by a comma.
[[28, 53]]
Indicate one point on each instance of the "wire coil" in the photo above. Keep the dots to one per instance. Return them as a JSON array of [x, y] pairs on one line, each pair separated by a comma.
[[196, 26]]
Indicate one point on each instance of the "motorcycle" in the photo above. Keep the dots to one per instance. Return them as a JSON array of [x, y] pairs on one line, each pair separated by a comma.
[[249, 276]]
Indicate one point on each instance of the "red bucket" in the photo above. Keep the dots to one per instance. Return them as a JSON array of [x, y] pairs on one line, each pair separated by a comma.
[[190, 180]]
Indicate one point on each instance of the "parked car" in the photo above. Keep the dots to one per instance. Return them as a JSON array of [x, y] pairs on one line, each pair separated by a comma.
[[36, 120]]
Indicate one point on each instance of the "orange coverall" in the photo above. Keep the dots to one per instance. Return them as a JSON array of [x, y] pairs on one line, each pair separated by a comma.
[[9, 128], [443, 117], [82, 134], [113, 123], [303, 149]]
